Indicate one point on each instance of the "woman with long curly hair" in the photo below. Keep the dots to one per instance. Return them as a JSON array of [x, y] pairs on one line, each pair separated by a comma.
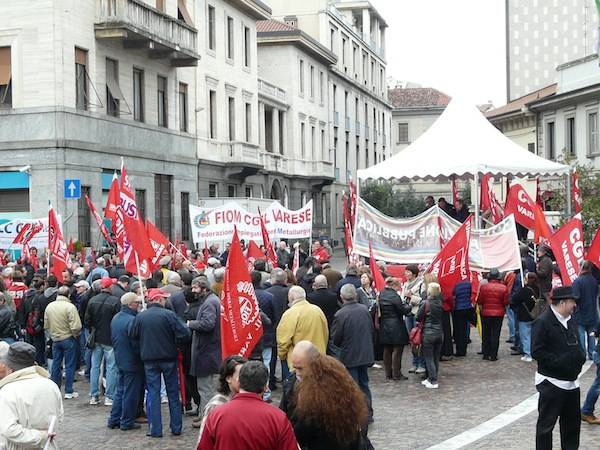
[[330, 409]]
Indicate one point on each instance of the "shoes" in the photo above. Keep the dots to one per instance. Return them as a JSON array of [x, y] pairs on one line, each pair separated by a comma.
[[526, 358], [485, 357], [425, 381], [94, 400], [191, 411], [413, 369], [176, 433], [197, 420], [135, 426], [493, 358], [446, 358], [459, 355], [591, 419], [430, 385], [420, 370], [516, 352], [149, 434], [70, 395], [510, 341], [164, 399], [113, 426], [108, 401], [480, 353], [197, 424], [141, 419], [400, 377]]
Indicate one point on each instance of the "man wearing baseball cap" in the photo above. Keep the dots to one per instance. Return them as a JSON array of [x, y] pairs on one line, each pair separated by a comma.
[[159, 331], [555, 347]]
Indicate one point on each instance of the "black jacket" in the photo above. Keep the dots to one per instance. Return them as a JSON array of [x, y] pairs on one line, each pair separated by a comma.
[[556, 348], [544, 273], [7, 323], [280, 302], [353, 333], [327, 301], [432, 328], [118, 291], [265, 303], [158, 331], [99, 313], [525, 298], [392, 330]]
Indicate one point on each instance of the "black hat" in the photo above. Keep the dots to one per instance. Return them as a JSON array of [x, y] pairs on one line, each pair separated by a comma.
[[494, 274], [563, 293], [20, 355], [124, 279]]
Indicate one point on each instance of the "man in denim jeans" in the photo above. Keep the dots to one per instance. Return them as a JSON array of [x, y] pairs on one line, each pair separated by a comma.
[[587, 411], [98, 315]]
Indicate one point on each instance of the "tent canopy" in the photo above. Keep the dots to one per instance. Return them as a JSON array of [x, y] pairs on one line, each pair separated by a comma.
[[461, 143]]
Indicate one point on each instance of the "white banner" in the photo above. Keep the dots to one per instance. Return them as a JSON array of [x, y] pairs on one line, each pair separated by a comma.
[[216, 224], [10, 229]]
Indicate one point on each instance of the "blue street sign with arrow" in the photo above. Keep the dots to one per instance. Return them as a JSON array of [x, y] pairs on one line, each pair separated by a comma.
[[73, 188]]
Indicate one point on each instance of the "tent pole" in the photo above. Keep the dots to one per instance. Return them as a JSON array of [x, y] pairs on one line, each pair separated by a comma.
[[476, 203], [568, 194]]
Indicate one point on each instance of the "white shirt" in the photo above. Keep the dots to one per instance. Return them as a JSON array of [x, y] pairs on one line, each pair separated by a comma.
[[562, 384]]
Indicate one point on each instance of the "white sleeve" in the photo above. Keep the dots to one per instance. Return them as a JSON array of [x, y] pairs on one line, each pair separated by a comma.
[[13, 431]]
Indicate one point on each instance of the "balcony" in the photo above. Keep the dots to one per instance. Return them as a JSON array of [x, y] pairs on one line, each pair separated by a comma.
[[274, 162], [347, 123], [272, 91], [242, 161], [139, 26], [336, 119]]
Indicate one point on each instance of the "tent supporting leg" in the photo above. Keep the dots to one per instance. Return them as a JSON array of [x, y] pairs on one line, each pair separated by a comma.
[[476, 203], [568, 194]]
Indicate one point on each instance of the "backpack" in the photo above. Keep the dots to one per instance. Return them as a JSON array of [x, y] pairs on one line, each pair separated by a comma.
[[35, 320]]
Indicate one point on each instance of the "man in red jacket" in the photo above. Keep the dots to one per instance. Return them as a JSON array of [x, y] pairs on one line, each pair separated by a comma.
[[320, 253], [246, 422], [493, 298]]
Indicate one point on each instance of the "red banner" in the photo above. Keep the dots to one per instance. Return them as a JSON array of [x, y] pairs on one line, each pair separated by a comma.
[[241, 326], [57, 246], [99, 220], [159, 243], [519, 203], [576, 193], [567, 246], [594, 250], [378, 280], [353, 202], [489, 200], [22, 234], [347, 227], [254, 253], [271, 255], [541, 231], [113, 201], [451, 265]]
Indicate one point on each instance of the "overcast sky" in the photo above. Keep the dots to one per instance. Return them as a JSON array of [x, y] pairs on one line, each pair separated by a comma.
[[455, 46]]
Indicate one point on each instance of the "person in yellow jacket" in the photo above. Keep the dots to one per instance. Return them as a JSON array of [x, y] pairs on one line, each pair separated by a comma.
[[301, 322]]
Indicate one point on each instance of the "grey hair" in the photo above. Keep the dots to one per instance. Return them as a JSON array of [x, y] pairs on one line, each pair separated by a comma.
[[173, 278], [219, 274], [297, 293], [279, 276], [201, 281], [4, 346], [348, 292], [96, 286], [64, 291], [320, 282]]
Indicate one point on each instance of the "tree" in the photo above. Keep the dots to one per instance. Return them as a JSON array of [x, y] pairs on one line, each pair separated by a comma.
[[391, 199]]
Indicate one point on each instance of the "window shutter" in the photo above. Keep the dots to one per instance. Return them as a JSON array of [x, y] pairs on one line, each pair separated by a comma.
[[80, 56], [184, 12], [5, 71]]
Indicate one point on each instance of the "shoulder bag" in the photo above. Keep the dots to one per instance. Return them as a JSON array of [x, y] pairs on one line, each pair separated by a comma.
[[416, 334]]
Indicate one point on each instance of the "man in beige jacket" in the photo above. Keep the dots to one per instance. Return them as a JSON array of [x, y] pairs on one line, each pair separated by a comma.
[[63, 324], [301, 322]]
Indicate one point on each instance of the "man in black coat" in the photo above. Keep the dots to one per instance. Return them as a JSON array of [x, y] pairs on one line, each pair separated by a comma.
[[350, 278], [279, 289], [555, 347], [353, 334], [323, 298]]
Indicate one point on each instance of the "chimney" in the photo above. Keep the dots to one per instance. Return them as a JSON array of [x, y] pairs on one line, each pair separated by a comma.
[[291, 21]]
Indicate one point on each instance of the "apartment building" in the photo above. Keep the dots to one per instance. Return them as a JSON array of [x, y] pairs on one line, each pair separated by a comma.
[[359, 112], [83, 84]]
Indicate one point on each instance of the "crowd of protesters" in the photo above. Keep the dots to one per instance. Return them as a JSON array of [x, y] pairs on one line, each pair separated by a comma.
[[140, 344]]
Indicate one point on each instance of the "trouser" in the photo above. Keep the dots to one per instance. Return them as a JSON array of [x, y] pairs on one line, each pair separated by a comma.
[[272, 367], [417, 361], [586, 339], [127, 397], [392, 360], [86, 352], [206, 388], [168, 370], [39, 342], [100, 351], [460, 324], [592, 396], [525, 337], [191, 384], [491, 328], [360, 375], [66, 350], [447, 346], [267, 353], [432, 349], [512, 328], [555, 403]]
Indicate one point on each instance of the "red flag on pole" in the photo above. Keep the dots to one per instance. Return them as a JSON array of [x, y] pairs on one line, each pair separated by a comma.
[[378, 280], [454, 188], [521, 205], [22, 234], [567, 246], [82, 260], [57, 245], [113, 201], [71, 246], [576, 193], [451, 264], [99, 220], [541, 231], [353, 200], [489, 200], [206, 253], [594, 250], [159, 243], [254, 253], [347, 227], [241, 326], [296, 261], [271, 255]]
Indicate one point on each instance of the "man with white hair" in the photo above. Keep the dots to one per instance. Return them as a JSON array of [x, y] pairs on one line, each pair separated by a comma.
[[99, 270], [301, 322]]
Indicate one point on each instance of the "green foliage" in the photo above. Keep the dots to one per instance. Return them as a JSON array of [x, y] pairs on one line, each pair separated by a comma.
[[78, 245], [393, 200]]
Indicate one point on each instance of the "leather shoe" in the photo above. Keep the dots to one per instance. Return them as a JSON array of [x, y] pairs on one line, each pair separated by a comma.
[[141, 419], [149, 434], [176, 433], [516, 352], [135, 426], [112, 426], [400, 377], [591, 419]]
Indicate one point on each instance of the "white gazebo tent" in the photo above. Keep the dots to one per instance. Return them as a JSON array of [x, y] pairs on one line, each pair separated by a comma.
[[463, 144]]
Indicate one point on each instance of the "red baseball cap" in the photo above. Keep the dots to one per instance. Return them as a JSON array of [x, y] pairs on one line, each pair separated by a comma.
[[156, 293], [105, 283]]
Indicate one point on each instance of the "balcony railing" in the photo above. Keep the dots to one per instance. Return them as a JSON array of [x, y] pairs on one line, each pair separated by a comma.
[[367, 132], [347, 123], [141, 26], [266, 88], [357, 128]]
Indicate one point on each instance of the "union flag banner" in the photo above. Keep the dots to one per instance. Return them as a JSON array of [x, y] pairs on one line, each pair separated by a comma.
[[347, 228], [519, 203], [99, 220], [57, 246], [271, 255], [254, 253], [542, 230], [594, 250], [378, 280], [567, 246], [489, 200], [20, 237], [159, 243], [241, 325], [113, 201]]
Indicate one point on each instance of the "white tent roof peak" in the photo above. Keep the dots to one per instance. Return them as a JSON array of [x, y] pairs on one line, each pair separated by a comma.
[[461, 143]]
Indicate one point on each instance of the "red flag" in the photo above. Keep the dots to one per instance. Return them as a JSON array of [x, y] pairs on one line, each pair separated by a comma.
[[541, 231], [378, 280], [489, 200], [184, 249], [99, 220], [454, 188], [159, 243], [206, 253], [30, 231], [93, 255], [82, 255], [253, 254], [22, 234], [594, 250], [296, 261], [71, 246], [576, 193], [241, 326], [113, 201], [451, 264], [57, 245], [352, 203], [521, 205], [271, 255], [347, 227], [567, 246]]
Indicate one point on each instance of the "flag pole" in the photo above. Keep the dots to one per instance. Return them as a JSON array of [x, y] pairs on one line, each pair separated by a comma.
[[137, 264], [184, 256], [476, 204]]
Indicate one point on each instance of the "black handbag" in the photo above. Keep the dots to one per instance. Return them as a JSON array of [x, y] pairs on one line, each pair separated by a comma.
[[364, 442], [90, 342]]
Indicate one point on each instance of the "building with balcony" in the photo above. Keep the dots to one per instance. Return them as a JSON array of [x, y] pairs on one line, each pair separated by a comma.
[[293, 125], [83, 84], [360, 115]]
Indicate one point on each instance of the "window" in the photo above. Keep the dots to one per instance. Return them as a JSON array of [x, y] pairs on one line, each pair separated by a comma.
[[570, 136], [332, 40], [185, 216], [302, 198], [323, 145], [14, 200], [231, 106], [592, 133], [344, 40], [403, 132], [313, 142], [550, 144], [365, 68], [531, 147], [84, 220], [248, 191], [183, 13], [247, 47], [183, 107], [230, 190], [322, 87], [324, 208], [312, 82], [230, 42], [5, 78], [81, 79], [138, 95], [211, 28], [212, 190], [162, 101], [248, 122], [357, 156], [163, 199], [281, 132], [355, 60], [114, 96], [212, 114], [334, 98], [303, 139], [140, 201], [301, 74]]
